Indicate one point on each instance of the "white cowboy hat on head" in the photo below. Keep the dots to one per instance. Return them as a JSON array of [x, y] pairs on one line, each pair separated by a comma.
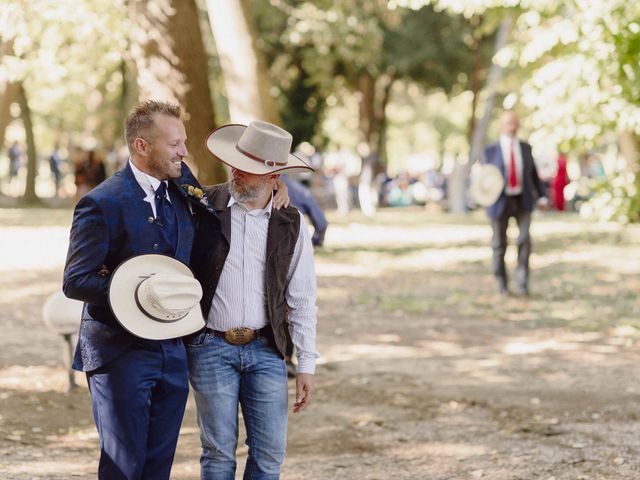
[[487, 184], [260, 148], [156, 297]]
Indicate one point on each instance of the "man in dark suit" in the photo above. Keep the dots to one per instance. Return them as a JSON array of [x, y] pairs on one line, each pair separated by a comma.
[[522, 190], [138, 387]]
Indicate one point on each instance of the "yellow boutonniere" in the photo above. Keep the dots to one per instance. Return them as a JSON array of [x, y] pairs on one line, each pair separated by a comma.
[[197, 193]]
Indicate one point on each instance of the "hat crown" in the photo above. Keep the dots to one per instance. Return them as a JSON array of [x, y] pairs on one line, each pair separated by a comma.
[[168, 297], [266, 142]]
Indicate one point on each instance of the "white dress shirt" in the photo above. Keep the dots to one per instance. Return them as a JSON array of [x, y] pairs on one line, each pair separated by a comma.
[[149, 184], [505, 145], [240, 297]]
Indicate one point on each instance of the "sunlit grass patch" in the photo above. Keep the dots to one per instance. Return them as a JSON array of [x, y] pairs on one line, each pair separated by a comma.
[[392, 303]]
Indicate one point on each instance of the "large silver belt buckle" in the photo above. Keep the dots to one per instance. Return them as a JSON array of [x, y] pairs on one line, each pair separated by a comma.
[[239, 336]]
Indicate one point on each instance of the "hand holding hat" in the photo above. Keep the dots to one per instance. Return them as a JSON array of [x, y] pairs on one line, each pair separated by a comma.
[[156, 297], [487, 183]]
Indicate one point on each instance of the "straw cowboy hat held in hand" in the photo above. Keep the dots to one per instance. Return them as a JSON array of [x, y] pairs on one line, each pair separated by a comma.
[[487, 184], [260, 148], [156, 297]]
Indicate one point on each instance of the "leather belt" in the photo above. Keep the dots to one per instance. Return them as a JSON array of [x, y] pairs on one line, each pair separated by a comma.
[[241, 336]]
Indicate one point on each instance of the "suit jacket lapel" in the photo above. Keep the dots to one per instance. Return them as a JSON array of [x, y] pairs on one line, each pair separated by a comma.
[[501, 164], [136, 192], [219, 200]]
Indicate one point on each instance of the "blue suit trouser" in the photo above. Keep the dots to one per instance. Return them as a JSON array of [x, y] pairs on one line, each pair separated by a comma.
[[138, 404], [499, 226]]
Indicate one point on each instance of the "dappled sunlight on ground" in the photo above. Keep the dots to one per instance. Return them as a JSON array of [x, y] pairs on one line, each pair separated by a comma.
[[435, 450], [37, 379], [425, 371], [33, 248]]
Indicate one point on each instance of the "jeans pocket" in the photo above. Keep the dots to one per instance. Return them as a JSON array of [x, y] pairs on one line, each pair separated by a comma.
[[197, 340]]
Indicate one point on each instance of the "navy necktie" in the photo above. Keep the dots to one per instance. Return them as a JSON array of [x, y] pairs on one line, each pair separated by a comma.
[[166, 215]]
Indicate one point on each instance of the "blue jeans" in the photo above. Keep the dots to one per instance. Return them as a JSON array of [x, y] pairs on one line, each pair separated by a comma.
[[255, 377]]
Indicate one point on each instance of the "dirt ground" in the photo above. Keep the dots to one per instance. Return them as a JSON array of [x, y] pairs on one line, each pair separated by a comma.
[[425, 373]]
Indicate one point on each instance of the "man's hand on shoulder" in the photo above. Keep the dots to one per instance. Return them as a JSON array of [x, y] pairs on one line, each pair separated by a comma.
[[304, 391], [280, 195]]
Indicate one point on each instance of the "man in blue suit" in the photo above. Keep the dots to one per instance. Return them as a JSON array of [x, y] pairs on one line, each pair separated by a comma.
[[138, 387], [522, 190]]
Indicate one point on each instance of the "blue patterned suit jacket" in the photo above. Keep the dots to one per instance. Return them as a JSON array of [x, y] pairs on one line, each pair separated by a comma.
[[532, 187], [111, 224]]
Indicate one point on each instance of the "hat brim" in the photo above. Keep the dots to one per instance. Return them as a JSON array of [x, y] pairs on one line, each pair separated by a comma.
[[122, 300], [222, 144], [487, 183]]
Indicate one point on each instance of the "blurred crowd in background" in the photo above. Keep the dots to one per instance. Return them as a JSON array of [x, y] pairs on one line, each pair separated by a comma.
[[341, 181]]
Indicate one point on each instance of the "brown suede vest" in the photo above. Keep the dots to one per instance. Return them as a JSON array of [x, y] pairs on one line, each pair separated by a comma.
[[284, 228]]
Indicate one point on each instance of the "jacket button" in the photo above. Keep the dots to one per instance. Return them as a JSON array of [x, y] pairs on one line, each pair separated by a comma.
[[150, 219], [155, 246]]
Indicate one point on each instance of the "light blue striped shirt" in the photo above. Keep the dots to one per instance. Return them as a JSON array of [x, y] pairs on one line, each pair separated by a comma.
[[240, 298]]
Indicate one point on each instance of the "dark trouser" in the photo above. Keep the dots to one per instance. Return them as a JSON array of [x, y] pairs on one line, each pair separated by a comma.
[[318, 220], [138, 404], [499, 225]]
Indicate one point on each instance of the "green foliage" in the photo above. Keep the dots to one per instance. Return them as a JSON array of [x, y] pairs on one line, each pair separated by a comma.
[[317, 48], [300, 99], [428, 47], [68, 54], [615, 199]]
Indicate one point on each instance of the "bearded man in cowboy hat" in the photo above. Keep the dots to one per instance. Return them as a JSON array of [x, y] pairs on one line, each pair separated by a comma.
[[130, 345], [260, 284], [522, 189]]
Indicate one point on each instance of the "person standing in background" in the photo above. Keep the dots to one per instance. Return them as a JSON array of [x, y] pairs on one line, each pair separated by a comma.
[[558, 182], [54, 166], [522, 190]]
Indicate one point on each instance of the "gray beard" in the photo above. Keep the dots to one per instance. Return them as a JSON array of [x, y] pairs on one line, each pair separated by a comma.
[[243, 194]]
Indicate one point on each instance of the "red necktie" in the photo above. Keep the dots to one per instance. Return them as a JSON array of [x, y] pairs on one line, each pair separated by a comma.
[[513, 176]]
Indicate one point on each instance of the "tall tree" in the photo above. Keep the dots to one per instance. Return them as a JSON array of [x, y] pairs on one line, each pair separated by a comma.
[[300, 98], [30, 195], [244, 68], [8, 91], [171, 63], [369, 47]]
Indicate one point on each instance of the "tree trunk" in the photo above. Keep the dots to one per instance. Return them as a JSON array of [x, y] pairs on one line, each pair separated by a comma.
[[493, 79], [366, 106], [32, 157], [456, 192], [381, 115], [630, 150], [172, 65], [8, 95], [474, 77], [243, 65], [374, 97]]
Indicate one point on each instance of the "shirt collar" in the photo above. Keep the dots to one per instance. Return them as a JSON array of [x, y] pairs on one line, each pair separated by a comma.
[[148, 183], [506, 139], [266, 211]]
